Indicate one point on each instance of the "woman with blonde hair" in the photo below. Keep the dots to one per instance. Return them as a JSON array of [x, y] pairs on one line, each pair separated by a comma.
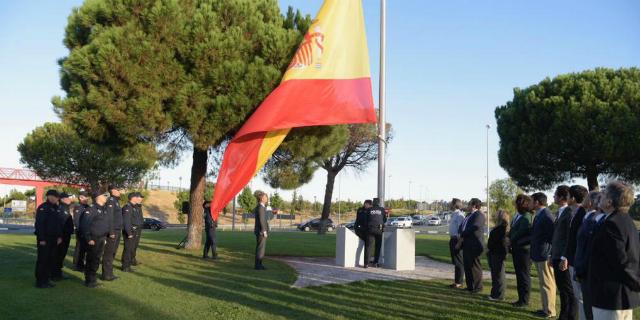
[[498, 246]]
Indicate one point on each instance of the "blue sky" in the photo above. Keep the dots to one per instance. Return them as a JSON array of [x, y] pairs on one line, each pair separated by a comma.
[[450, 63]]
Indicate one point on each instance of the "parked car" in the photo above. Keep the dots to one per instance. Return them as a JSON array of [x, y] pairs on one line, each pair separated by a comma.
[[314, 224], [400, 222], [350, 225], [419, 220], [434, 221], [153, 224]]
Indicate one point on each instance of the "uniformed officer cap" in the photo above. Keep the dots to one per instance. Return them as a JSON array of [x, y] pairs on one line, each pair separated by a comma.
[[135, 195], [96, 194], [53, 192], [64, 195]]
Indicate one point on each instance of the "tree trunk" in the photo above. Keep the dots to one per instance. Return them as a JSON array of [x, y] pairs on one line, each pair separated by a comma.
[[592, 179], [196, 195], [326, 207]]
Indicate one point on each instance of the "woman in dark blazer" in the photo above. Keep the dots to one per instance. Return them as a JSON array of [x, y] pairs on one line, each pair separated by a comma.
[[520, 237], [498, 246], [614, 269]]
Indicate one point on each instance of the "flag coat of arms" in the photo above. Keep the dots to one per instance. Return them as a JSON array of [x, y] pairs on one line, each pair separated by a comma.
[[328, 82]]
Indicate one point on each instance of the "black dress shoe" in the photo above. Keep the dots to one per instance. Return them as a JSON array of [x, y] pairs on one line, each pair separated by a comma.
[[260, 268], [93, 285], [43, 286], [520, 304], [108, 278], [127, 269]]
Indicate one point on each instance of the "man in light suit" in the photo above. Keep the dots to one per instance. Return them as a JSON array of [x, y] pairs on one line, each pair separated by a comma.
[[614, 268], [568, 303], [472, 243], [541, 238], [261, 228]]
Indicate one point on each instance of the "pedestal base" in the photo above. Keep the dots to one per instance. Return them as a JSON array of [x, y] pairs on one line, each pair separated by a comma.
[[349, 249], [399, 249]]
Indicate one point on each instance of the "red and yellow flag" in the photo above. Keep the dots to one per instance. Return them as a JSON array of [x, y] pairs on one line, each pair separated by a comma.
[[328, 82]]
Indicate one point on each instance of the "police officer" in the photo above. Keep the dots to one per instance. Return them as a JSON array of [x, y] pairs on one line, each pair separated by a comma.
[[129, 230], [210, 226], [48, 231], [66, 221], [81, 246], [375, 224], [138, 221], [113, 241], [95, 227], [360, 226]]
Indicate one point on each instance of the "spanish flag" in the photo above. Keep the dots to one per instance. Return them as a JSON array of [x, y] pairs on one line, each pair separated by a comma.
[[328, 82]]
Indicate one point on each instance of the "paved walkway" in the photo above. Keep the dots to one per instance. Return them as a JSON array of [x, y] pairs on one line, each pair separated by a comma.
[[323, 271]]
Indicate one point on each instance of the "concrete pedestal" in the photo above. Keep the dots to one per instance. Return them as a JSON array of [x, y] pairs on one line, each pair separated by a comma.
[[349, 248], [399, 249]]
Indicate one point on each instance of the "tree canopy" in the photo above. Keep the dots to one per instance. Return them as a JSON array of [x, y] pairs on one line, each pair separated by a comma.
[[577, 125], [502, 194], [179, 74], [55, 151]]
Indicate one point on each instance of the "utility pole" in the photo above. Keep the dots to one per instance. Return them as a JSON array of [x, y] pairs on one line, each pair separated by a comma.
[[382, 134]]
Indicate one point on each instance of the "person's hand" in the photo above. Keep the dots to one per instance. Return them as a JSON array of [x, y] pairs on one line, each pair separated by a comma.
[[549, 263], [42, 243], [91, 243], [129, 237], [564, 265], [265, 234], [112, 236], [59, 240]]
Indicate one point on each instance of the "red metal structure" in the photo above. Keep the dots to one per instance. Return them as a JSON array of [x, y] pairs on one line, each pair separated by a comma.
[[25, 177]]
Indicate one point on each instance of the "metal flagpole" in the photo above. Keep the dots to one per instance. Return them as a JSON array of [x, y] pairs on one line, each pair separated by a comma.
[[382, 135]]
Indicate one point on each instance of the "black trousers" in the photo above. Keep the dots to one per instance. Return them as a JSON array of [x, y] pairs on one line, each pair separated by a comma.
[[137, 237], [522, 266], [472, 270], [456, 259], [110, 249], [80, 252], [127, 252], [210, 242], [373, 238], [61, 254], [498, 284], [94, 253], [586, 299], [568, 302], [45, 261], [261, 245]]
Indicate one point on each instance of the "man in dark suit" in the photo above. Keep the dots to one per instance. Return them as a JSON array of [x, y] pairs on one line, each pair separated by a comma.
[[472, 243], [614, 276], [583, 250], [568, 304], [541, 238], [577, 194], [48, 231], [520, 238], [261, 228], [210, 226], [360, 225]]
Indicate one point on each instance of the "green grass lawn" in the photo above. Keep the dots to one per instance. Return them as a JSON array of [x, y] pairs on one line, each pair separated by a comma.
[[176, 284]]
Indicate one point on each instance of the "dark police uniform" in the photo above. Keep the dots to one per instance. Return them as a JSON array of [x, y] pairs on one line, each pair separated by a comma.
[[375, 224], [360, 226], [210, 226], [138, 222], [129, 233], [111, 247], [80, 251], [49, 230], [94, 225], [66, 221]]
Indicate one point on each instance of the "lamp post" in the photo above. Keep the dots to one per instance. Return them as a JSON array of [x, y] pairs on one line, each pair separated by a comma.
[[488, 200]]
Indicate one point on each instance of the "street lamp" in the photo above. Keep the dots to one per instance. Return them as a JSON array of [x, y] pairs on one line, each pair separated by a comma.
[[488, 200]]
